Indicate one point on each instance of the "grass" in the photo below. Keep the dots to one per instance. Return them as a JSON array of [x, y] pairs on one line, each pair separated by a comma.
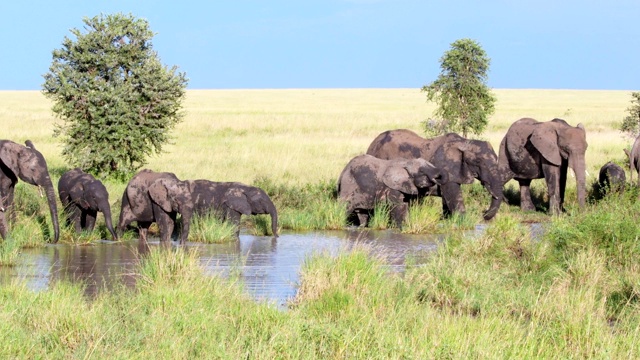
[[574, 293]]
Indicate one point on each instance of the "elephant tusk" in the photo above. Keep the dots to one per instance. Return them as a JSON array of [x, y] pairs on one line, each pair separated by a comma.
[[2, 209], [40, 191]]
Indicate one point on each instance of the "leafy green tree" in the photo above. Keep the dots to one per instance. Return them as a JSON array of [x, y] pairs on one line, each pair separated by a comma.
[[464, 100], [631, 123], [117, 102]]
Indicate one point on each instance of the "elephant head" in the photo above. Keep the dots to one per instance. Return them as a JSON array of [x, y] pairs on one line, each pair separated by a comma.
[[250, 200], [408, 176], [173, 195], [93, 195], [27, 164]]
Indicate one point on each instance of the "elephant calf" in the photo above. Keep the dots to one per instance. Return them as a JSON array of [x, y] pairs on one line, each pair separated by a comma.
[[82, 196], [367, 180], [611, 178], [230, 200]]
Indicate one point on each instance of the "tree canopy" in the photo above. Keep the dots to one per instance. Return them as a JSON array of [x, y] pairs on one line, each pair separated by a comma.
[[631, 123], [464, 100], [117, 102]]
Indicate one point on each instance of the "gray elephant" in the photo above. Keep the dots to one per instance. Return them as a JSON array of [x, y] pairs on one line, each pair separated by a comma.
[[634, 159], [157, 197], [230, 200], [464, 160], [367, 180], [83, 196], [27, 164], [611, 178], [533, 150]]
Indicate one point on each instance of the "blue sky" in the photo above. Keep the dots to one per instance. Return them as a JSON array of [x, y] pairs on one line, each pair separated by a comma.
[[550, 44]]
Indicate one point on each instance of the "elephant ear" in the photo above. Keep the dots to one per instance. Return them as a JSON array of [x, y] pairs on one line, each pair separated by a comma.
[[18, 158], [397, 177], [77, 196], [236, 200], [545, 140], [159, 193]]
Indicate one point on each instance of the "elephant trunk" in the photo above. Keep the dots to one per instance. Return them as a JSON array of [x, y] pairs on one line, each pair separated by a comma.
[[109, 222], [274, 220], [578, 166], [186, 225], [53, 208]]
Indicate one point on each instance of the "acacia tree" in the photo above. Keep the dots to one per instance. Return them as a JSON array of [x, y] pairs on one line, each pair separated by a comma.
[[117, 102], [631, 123], [464, 100]]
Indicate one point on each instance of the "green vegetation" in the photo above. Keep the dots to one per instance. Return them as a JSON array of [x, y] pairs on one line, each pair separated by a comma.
[[464, 100], [117, 102], [631, 123]]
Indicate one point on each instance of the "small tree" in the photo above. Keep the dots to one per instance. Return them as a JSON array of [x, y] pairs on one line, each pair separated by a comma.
[[631, 123], [117, 102], [463, 98]]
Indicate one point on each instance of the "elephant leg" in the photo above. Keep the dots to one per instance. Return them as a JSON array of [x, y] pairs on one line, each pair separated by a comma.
[[399, 213], [526, 204], [552, 176], [563, 182], [234, 218], [452, 199], [90, 220], [363, 218], [165, 221], [143, 230]]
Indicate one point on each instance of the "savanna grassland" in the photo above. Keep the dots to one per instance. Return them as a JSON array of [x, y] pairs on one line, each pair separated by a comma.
[[574, 293]]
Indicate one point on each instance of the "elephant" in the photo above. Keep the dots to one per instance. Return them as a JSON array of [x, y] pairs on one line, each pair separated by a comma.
[[83, 196], [532, 150], [611, 178], [367, 180], [462, 159], [26, 163], [157, 197], [230, 200], [634, 159]]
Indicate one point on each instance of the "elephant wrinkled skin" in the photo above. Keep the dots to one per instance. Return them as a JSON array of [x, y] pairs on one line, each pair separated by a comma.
[[157, 197], [533, 150], [367, 180], [83, 196], [27, 164], [230, 200], [462, 159]]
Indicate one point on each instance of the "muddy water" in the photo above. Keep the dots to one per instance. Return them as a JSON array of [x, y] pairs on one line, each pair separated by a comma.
[[269, 268]]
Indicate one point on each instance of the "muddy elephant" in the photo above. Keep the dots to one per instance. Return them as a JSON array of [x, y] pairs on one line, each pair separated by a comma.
[[27, 164], [464, 160], [83, 196], [634, 159], [230, 200], [533, 150], [611, 178], [367, 180], [157, 197]]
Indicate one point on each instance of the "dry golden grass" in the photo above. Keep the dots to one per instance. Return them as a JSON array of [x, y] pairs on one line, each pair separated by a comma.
[[305, 136]]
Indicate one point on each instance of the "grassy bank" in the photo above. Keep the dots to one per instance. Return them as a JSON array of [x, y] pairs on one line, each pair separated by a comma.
[[573, 294]]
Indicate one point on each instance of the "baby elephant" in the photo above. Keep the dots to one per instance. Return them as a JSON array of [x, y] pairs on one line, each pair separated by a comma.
[[230, 200], [612, 178], [82, 196], [367, 180]]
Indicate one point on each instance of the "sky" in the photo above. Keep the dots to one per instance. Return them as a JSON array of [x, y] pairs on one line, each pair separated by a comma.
[[275, 44]]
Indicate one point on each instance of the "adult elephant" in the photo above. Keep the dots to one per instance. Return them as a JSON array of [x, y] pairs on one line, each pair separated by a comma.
[[462, 159], [83, 196], [230, 200], [367, 180], [533, 150], [157, 197], [27, 164]]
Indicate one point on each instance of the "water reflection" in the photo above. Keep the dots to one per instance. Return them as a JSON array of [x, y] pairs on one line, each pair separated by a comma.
[[268, 267]]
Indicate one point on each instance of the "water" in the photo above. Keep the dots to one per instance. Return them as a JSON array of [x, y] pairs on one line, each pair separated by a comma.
[[269, 268]]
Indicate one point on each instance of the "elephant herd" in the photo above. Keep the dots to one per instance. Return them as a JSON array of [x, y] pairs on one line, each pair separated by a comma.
[[529, 150], [149, 197], [398, 167]]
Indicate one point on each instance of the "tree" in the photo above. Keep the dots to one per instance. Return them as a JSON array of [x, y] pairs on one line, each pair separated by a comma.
[[117, 102], [631, 123], [463, 98]]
